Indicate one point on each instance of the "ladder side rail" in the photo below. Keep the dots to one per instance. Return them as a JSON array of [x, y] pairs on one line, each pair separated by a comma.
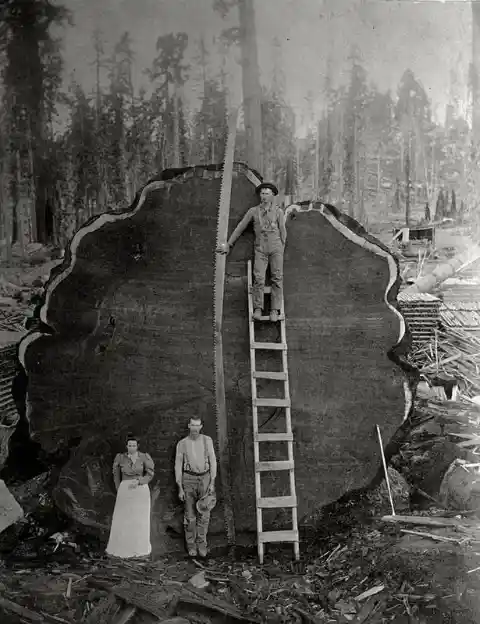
[[288, 418], [256, 448]]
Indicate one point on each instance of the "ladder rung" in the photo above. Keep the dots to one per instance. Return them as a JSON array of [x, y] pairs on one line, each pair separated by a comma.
[[266, 290], [271, 402], [266, 466], [277, 502], [270, 375], [269, 346], [273, 437], [266, 317], [278, 536]]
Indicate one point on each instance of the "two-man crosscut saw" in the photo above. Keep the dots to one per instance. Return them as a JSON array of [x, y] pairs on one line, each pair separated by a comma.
[[218, 294]]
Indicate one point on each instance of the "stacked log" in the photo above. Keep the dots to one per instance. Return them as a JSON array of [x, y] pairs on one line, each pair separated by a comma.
[[421, 311]]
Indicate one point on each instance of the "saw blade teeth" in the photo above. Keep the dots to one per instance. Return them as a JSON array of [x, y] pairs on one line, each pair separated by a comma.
[[218, 292]]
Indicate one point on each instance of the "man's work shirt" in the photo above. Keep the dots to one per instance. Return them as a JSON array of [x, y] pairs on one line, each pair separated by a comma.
[[195, 457], [266, 219], [269, 219]]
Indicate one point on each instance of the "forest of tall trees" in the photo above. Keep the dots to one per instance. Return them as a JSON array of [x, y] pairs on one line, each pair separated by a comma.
[[366, 152]]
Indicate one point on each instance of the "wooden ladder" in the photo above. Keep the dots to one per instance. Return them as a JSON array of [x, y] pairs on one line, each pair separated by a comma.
[[276, 502]]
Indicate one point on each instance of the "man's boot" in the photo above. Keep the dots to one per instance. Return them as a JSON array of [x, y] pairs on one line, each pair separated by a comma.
[[202, 550], [257, 314], [274, 316]]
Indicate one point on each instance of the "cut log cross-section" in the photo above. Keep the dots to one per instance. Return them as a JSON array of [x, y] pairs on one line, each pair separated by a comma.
[[130, 311]]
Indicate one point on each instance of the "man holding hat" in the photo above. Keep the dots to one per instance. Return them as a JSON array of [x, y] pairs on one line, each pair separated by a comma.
[[270, 237], [195, 474]]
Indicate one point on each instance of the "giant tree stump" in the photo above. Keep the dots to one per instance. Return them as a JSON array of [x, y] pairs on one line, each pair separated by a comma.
[[131, 348]]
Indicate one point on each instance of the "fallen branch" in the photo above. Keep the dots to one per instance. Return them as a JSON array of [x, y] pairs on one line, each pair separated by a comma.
[[68, 593], [438, 538], [422, 521], [125, 615], [306, 617], [55, 618], [428, 497], [21, 611], [370, 592]]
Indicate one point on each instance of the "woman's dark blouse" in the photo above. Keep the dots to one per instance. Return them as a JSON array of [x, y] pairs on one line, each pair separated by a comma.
[[124, 468]]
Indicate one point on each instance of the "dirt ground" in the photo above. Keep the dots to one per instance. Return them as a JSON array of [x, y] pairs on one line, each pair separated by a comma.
[[364, 571]]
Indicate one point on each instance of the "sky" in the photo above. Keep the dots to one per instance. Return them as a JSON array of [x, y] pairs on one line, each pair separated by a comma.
[[430, 37]]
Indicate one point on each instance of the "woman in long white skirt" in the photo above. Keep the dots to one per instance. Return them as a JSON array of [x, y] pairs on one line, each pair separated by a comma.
[[130, 530]]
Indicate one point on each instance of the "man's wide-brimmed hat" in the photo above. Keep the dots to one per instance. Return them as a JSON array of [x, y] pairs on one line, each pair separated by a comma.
[[206, 503], [266, 185]]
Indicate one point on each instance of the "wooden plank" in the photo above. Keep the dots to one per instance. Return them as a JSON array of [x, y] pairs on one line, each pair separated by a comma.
[[273, 437], [278, 536], [269, 346], [266, 466], [280, 376], [422, 521], [256, 451], [274, 502], [272, 402], [266, 317]]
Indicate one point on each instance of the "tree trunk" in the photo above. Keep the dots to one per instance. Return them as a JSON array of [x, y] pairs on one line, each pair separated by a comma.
[[444, 271], [476, 71], [252, 95], [21, 206], [407, 185], [38, 229], [6, 216], [316, 177], [340, 154], [379, 172], [353, 191], [98, 102], [176, 129]]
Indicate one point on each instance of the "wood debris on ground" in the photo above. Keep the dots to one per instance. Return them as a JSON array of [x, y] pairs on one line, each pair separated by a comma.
[[357, 575], [455, 353]]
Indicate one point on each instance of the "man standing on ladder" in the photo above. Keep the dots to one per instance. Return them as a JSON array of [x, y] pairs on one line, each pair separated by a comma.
[[270, 237]]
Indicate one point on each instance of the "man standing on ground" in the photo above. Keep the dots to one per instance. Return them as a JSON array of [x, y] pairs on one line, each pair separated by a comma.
[[195, 474], [270, 237]]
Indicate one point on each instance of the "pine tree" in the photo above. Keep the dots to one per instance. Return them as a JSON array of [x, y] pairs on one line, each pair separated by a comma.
[[245, 36], [31, 76], [82, 143], [210, 122], [440, 207], [453, 205], [169, 68], [354, 160], [278, 121]]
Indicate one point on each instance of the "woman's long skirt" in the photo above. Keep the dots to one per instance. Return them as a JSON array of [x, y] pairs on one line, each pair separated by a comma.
[[130, 531]]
